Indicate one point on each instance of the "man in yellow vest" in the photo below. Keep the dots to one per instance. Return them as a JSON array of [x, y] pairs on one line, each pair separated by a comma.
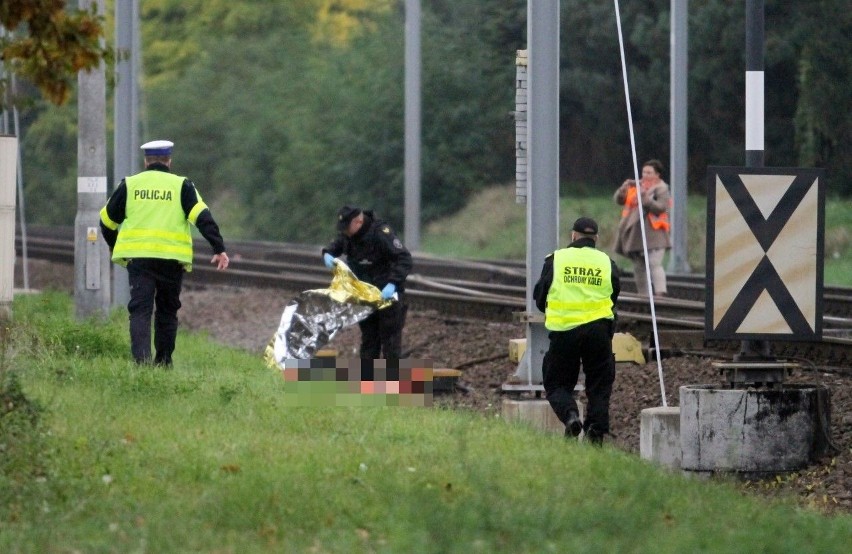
[[577, 291], [154, 209]]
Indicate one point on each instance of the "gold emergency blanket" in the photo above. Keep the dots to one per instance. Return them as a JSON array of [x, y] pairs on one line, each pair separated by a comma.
[[312, 318]]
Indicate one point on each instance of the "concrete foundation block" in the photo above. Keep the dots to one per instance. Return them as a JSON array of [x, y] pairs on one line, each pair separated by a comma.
[[535, 412], [659, 436], [752, 431]]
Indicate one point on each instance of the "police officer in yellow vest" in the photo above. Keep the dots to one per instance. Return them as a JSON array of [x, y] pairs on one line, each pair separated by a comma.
[[577, 291], [154, 209]]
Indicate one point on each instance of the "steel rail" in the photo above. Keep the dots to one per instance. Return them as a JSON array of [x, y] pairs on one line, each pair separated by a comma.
[[293, 268]]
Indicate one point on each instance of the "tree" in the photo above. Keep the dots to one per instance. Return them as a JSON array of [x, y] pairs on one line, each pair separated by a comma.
[[285, 110], [48, 45], [823, 130]]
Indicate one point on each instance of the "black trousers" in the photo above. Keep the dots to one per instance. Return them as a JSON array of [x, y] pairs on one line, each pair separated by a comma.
[[154, 282], [381, 332], [591, 345]]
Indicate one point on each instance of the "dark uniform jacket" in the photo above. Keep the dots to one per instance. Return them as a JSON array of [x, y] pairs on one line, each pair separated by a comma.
[[374, 253], [543, 286]]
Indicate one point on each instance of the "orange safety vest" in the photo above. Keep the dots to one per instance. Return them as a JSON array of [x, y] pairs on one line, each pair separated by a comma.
[[658, 222]]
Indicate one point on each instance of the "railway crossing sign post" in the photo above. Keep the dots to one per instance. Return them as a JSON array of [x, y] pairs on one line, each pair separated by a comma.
[[765, 232], [765, 244], [764, 281]]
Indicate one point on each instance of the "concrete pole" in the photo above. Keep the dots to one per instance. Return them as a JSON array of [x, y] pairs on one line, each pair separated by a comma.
[[678, 259], [91, 255], [412, 124], [543, 169], [8, 173], [126, 135]]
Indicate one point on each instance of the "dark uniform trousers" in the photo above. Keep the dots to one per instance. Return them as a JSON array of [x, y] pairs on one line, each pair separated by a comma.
[[591, 344], [381, 332], [154, 282]]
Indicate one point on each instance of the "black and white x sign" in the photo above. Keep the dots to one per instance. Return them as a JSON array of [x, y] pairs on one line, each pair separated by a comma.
[[765, 240]]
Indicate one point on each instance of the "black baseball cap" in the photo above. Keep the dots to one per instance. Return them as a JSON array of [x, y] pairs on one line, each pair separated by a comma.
[[345, 215], [586, 225]]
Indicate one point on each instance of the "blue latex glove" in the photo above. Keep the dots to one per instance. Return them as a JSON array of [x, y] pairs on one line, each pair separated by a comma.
[[388, 291], [328, 259]]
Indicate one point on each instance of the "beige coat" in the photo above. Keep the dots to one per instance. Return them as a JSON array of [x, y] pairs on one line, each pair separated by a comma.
[[629, 237]]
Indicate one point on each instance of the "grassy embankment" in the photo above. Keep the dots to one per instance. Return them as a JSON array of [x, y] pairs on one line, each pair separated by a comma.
[[208, 458], [493, 226]]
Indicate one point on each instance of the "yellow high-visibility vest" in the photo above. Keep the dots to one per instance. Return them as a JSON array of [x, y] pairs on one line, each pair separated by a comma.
[[581, 289], [155, 225]]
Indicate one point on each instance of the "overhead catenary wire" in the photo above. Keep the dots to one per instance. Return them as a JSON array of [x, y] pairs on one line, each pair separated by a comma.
[[637, 184]]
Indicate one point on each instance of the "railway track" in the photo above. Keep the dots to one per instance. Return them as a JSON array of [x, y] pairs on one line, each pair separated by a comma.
[[493, 291]]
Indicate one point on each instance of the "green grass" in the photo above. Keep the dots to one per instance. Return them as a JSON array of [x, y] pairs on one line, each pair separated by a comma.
[[838, 242], [208, 458], [493, 226]]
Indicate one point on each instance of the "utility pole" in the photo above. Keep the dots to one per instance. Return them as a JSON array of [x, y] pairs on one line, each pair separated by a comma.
[[542, 201], [8, 169], [678, 260], [91, 255], [126, 135], [412, 124]]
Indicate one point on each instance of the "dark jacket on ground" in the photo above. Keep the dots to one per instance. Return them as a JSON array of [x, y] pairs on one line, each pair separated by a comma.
[[374, 253]]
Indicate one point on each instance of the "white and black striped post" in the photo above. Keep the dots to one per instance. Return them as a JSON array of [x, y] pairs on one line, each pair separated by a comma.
[[754, 83], [754, 117]]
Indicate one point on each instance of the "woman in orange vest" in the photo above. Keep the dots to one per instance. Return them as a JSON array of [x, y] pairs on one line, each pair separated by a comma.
[[628, 241]]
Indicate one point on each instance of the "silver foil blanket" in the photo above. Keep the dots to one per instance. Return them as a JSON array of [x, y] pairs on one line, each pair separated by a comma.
[[312, 318]]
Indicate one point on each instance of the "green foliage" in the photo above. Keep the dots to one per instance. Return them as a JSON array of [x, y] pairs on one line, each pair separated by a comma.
[[283, 111], [21, 439], [45, 322], [824, 79], [49, 149], [838, 242], [20, 435], [207, 457], [345, 140], [255, 43], [468, 96], [53, 46]]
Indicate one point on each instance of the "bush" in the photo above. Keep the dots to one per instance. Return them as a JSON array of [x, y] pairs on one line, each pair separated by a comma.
[[20, 438]]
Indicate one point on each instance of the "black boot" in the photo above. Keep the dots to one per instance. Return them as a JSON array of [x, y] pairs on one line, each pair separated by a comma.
[[573, 425]]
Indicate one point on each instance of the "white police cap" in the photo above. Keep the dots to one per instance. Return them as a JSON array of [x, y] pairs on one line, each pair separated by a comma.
[[158, 148]]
